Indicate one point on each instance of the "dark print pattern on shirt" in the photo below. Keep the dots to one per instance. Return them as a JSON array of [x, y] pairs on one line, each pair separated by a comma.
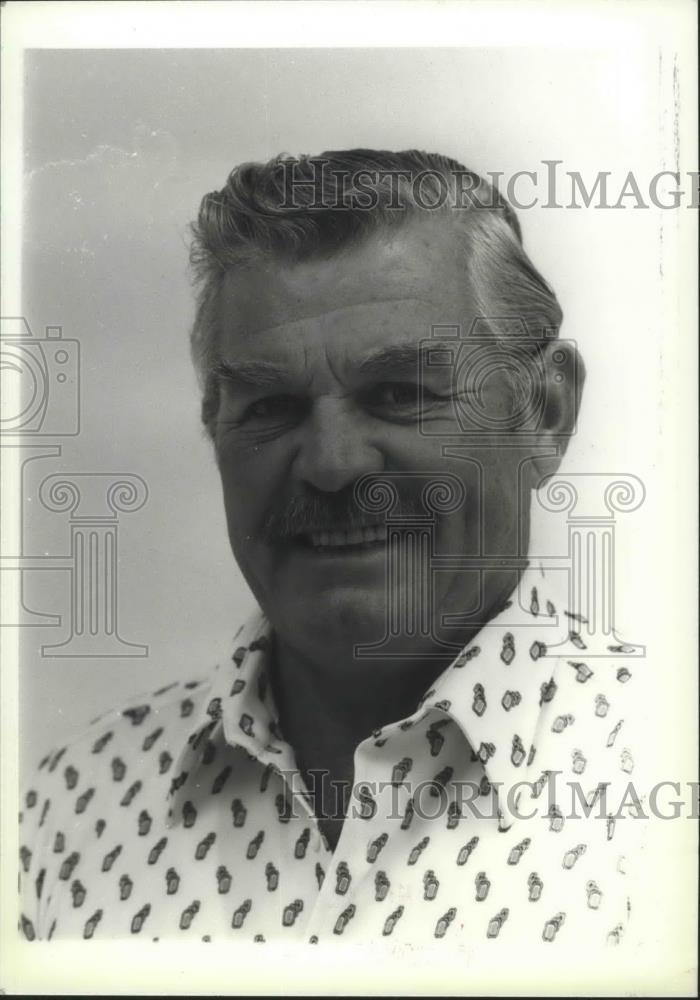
[[175, 815]]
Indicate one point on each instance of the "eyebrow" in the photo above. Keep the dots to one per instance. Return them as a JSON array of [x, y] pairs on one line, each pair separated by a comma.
[[395, 360], [402, 359], [254, 374]]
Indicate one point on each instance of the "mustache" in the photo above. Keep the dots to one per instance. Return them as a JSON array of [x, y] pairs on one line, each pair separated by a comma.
[[339, 511]]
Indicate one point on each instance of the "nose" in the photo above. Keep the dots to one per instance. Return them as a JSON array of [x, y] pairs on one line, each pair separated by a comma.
[[335, 447]]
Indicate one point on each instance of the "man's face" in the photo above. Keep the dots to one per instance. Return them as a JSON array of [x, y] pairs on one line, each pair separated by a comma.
[[321, 388]]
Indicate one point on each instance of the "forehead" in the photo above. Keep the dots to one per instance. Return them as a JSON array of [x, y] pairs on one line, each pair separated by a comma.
[[394, 286]]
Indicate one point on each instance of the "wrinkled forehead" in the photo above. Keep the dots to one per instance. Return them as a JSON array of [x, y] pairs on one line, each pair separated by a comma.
[[395, 287]]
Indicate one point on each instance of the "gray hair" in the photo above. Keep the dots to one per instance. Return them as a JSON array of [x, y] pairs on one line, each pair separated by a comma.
[[294, 208]]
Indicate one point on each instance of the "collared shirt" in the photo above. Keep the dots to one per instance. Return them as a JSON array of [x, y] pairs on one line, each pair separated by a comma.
[[496, 812]]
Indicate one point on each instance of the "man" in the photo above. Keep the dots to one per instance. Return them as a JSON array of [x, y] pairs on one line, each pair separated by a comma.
[[383, 388]]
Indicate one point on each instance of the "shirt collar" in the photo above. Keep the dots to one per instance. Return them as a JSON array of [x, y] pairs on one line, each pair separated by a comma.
[[511, 660], [239, 711], [496, 687]]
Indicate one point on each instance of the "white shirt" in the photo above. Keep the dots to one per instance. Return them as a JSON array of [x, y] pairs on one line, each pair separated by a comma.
[[183, 813]]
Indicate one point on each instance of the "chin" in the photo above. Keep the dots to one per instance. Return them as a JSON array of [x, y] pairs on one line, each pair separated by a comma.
[[338, 616]]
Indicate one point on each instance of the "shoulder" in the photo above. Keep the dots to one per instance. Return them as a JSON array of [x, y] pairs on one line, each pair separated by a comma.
[[111, 777], [145, 732]]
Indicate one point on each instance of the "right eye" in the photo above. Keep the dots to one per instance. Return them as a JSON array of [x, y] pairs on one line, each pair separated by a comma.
[[273, 410]]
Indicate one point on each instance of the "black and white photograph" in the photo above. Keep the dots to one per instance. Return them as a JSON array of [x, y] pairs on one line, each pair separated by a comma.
[[349, 470]]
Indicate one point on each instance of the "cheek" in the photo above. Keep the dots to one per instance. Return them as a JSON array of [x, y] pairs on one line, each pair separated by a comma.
[[492, 492], [242, 497], [254, 480], [506, 509], [500, 496]]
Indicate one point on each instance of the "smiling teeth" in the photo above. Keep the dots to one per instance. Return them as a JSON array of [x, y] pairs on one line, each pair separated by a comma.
[[358, 536]]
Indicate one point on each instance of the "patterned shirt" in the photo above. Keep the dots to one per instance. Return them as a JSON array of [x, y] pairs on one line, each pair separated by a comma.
[[496, 812]]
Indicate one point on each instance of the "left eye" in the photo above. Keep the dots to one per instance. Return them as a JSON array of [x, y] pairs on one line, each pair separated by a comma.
[[401, 396], [394, 394]]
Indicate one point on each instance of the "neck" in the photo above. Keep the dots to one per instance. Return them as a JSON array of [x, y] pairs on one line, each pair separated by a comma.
[[326, 713], [332, 705], [329, 701]]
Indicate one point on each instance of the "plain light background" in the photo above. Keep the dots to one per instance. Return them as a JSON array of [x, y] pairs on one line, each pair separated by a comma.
[[119, 148]]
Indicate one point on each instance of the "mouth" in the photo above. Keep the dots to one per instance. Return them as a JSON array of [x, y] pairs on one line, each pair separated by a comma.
[[339, 541]]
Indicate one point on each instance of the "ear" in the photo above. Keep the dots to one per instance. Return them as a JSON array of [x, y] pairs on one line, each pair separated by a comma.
[[564, 374]]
